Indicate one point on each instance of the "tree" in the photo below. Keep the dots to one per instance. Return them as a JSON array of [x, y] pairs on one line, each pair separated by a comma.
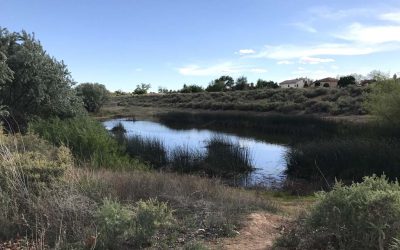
[[215, 86], [346, 80], [384, 102], [142, 89], [191, 89], [228, 81], [94, 95], [32, 82], [163, 90], [266, 84], [241, 83], [378, 75]]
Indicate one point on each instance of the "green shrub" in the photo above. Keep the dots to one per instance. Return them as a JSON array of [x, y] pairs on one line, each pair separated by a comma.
[[94, 95], [88, 140], [149, 216], [115, 224], [384, 101], [361, 216], [119, 224]]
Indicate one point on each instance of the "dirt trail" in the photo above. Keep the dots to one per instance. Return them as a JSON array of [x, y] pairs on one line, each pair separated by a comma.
[[259, 232]]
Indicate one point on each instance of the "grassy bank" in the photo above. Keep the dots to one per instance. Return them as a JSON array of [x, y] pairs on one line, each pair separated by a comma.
[[47, 202], [325, 101]]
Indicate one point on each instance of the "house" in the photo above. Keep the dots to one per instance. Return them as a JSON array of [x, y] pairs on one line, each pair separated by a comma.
[[296, 83], [328, 82]]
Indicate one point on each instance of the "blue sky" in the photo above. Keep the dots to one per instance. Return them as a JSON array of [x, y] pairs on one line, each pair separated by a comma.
[[168, 43]]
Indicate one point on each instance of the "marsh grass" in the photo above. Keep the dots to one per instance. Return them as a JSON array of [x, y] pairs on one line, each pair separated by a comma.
[[344, 159], [226, 158], [149, 150], [185, 160], [256, 125]]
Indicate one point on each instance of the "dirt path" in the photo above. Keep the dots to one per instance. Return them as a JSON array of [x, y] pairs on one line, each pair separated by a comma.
[[259, 232]]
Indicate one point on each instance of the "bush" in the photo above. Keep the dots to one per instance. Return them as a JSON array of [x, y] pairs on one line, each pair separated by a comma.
[[39, 85], [120, 224], [361, 216], [88, 140], [384, 101], [94, 95], [115, 224], [149, 216]]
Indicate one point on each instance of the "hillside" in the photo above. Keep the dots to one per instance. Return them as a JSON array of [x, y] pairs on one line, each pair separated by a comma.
[[322, 101]]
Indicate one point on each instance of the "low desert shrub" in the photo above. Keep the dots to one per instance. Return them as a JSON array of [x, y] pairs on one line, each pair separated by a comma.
[[363, 215], [120, 224]]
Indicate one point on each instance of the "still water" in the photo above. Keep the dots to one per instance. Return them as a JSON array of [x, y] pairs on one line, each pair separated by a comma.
[[267, 158]]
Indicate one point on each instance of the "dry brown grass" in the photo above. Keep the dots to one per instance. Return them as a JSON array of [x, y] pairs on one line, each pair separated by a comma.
[[199, 203]]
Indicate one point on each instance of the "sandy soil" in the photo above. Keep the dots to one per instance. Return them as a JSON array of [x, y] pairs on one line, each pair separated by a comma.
[[259, 232]]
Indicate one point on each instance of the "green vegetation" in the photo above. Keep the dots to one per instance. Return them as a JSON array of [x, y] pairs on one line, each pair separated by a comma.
[[346, 81], [361, 216], [88, 140], [223, 157], [347, 159], [142, 89], [294, 126], [94, 95], [384, 102], [148, 150], [33, 82], [318, 101], [52, 204]]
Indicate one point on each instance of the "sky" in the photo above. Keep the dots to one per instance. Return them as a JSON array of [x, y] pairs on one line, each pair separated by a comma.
[[168, 43]]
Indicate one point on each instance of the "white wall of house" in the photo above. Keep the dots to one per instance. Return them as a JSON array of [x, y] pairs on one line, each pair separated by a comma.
[[297, 84]]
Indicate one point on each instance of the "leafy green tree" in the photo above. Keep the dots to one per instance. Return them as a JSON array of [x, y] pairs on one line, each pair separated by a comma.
[[384, 101], [266, 84], [163, 90], [378, 75], [228, 81], [32, 82], [215, 86], [191, 88], [94, 95], [346, 80], [241, 83], [142, 89]]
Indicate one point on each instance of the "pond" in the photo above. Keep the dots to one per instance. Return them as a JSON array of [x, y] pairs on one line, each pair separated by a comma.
[[266, 158]]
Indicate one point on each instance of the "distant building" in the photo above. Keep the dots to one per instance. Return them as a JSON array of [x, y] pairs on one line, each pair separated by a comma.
[[328, 82], [366, 82], [296, 83]]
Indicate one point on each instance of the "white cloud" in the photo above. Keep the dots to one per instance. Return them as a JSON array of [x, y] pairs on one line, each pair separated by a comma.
[[244, 52], [284, 62], [371, 34], [138, 69], [286, 52], [258, 70], [315, 60], [392, 16], [305, 27]]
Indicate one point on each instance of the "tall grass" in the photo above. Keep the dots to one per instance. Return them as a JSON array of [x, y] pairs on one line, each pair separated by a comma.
[[344, 159], [256, 125], [150, 150], [223, 157], [226, 158], [88, 140], [185, 160]]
